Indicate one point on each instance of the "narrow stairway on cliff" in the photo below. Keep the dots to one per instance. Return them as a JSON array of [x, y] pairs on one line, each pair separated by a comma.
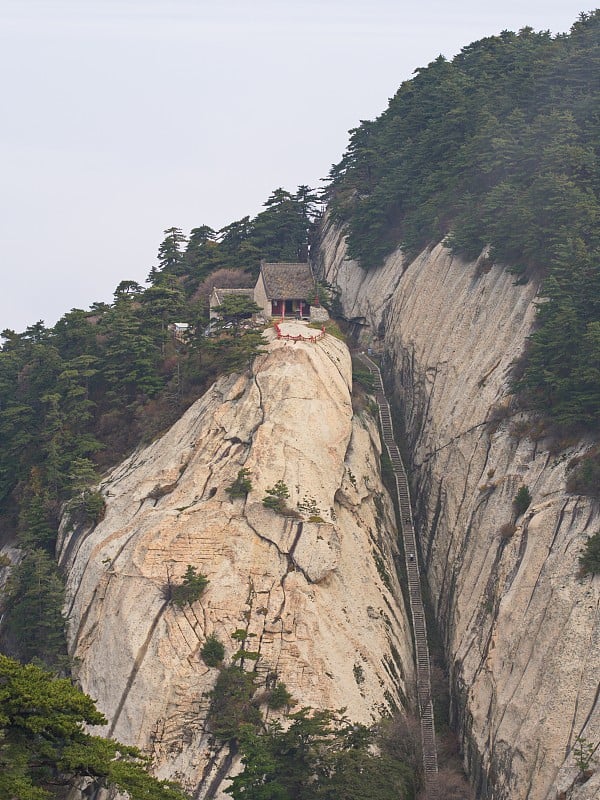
[[425, 704]]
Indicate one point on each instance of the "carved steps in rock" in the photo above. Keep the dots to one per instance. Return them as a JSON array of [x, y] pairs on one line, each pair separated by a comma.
[[428, 742]]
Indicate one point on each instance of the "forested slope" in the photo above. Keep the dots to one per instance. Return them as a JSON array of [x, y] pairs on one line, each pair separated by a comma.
[[77, 397], [498, 148]]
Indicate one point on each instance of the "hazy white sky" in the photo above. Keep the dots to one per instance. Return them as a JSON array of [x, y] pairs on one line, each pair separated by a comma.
[[121, 118]]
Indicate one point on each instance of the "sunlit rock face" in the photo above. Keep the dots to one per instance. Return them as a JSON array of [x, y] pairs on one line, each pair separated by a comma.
[[522, 630], [307, 587]]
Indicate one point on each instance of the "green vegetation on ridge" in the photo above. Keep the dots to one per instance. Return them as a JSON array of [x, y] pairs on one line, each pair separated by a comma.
[[76, 398], [498, 147], [307, 754]]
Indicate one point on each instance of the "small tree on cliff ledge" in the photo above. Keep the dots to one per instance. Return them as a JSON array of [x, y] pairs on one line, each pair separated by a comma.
[[522, 500], [189, 590], [213, 651], [242, 485], [589, 560], [276, 497]]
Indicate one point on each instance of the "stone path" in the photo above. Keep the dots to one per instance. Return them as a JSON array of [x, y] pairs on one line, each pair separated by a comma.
[[414, 585]]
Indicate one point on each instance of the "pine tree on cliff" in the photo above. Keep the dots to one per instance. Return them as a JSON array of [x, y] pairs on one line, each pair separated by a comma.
[[45, 748]]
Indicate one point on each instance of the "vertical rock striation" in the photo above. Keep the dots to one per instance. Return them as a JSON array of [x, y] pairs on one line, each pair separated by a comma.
[[307, 588], [521, 629]]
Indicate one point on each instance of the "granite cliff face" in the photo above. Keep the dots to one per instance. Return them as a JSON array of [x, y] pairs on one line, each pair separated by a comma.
[[521, 630], [307, 589]]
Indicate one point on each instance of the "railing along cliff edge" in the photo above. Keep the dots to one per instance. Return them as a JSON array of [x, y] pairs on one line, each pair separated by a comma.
[[430, 765]]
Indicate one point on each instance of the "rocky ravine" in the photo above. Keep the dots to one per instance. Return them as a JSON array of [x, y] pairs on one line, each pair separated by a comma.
[[521, 630], [309, 591]]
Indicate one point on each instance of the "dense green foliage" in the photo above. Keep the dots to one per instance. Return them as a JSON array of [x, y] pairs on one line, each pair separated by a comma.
[[213, 651], [235, 310], [232, 703], [589, 560], [320, 756], [234, 338], [498, 147], [279, 697], [44, 746], [314, 754], [279, 233], [34, 628], [522, 500], [75, 398]]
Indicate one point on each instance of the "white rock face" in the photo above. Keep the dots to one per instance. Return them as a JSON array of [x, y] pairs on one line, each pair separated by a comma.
[[309, 592], [522, 631]]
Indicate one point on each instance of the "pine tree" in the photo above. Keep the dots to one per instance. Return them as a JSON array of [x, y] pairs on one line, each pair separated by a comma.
[[45, 745], [130, 361], [202, 255], [319, 755], [171, 259], [34, 627]]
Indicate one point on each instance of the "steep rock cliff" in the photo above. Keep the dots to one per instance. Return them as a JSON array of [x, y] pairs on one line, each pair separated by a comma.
[[521, 630], [308, 591]]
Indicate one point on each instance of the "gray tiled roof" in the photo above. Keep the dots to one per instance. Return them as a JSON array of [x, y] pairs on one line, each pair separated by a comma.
[[220, 293], [285, 280]]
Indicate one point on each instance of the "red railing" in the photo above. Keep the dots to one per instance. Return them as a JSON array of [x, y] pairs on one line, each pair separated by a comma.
[[299, 337]]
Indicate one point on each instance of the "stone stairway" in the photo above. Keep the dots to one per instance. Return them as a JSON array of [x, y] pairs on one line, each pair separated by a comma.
[[414, 585]]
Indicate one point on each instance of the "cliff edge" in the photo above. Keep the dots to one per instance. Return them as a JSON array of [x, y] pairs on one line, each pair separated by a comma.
[[521, 629], [309, 589]]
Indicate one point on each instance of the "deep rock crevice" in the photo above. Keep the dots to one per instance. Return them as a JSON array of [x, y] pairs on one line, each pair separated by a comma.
[[448, 336]]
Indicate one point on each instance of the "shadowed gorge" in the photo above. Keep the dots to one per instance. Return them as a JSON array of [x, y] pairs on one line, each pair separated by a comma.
[[519, 625]]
